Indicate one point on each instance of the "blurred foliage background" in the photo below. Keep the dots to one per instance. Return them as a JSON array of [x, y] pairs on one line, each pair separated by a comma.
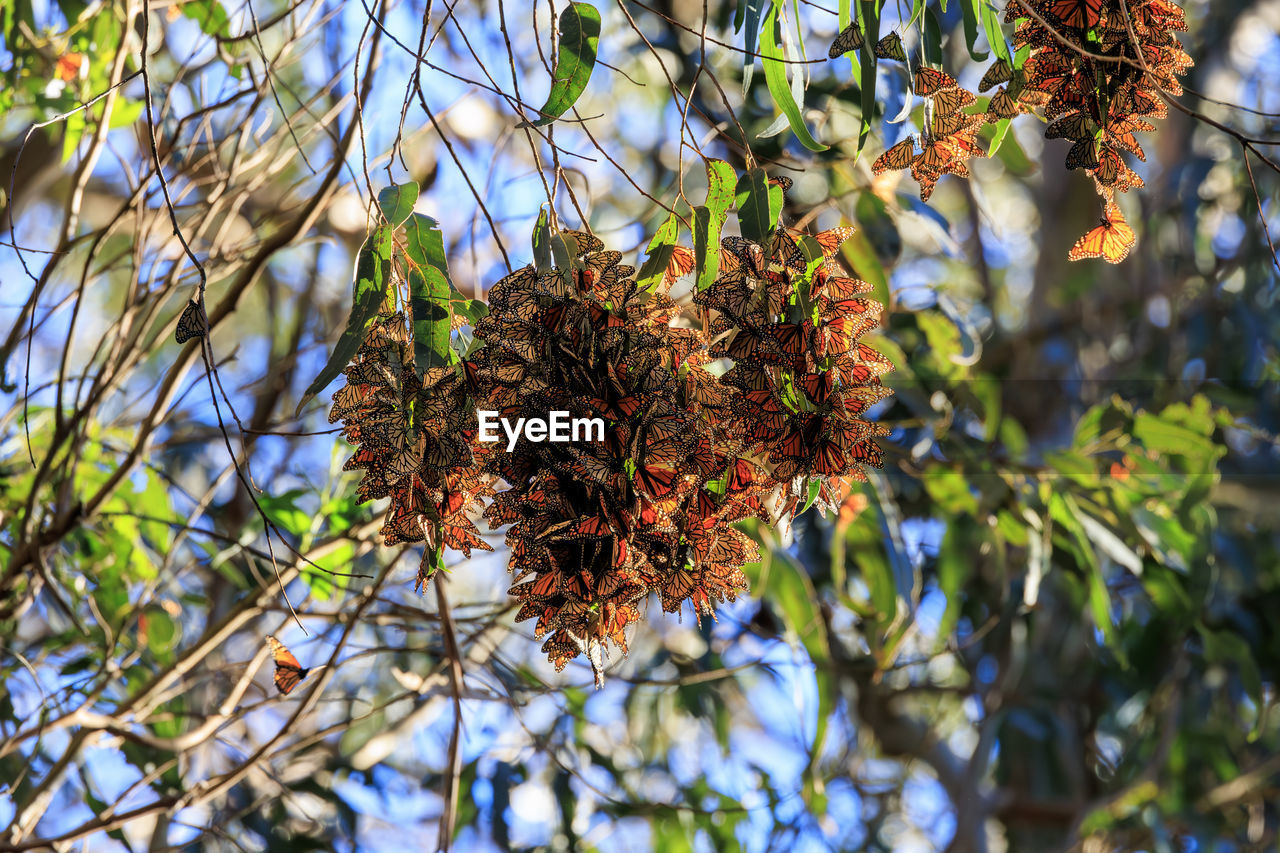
[[1049, 623]]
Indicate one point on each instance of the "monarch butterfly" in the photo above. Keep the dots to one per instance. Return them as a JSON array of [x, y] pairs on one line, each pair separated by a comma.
[[783, 249], [833, 238], [742, 476], [898, 156], [890, 47], [1002, 105], [524, 279], [543, 587], [799, 441], [681, 263], [1121, 136], [1082, 14], [748, 377], [657, 481], [949, 124], [949, 101], [288, 671], [619, 409], [782, 182], [191, 324], [1109, 167], [351, 399], [791, 338], [1047, 71], [1075, 126], [926, 177], [829, 460], [743, 252], [818, 386], [1110, 240], [841, 287], [665, 451], [675, 589], [929, 81], [999, 72], [462, 539], [1145, 104], [850, 38], [587, 243], [1083, 155]]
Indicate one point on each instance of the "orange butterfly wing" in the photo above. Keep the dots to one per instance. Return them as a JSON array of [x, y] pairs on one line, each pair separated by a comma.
[[288, 671], [1111, 240]]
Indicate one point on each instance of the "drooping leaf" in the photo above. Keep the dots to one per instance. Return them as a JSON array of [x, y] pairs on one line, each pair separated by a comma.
[[658, 254], [931, 38], [970, 11], [759, 205], [430, 292], [995, 36], [579, 37], [750, 38], [371, 280], [775, 75], [867, 69], [708, 220], [542, 241], [790, 590], [396, 202]]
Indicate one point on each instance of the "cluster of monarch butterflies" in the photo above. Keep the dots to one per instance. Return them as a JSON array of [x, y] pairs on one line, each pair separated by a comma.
[[801, 378], [1096, 69], [595, 526], [414, 439], [1099, 68]]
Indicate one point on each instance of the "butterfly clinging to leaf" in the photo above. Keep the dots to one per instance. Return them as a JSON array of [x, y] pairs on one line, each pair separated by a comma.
[[288, 671]]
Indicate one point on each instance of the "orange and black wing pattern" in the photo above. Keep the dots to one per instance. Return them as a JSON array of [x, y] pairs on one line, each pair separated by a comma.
[[288, 671]]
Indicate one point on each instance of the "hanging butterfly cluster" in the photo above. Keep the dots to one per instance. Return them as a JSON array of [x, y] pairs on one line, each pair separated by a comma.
[[801, 379], [1098, 68], [413, 437], [950, 138], [1095, 68], [596, 525]]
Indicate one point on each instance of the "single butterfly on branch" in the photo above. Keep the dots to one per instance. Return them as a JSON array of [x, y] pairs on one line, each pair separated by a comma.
[[288, 671]]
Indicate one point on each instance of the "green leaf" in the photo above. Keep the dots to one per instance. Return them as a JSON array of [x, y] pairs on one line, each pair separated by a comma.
[[955, 566], [579, 36], [1065, 512], [708, 221], [970, 10], [162, 632], [949, 490], [775, 75], [750, 39], [931, 38], [995, 35], [369, 293], [396, 202], [210, 15], [997, 138], [790, 590], [124, 113], [430, 293], [867, 69], [658, 254], [542, 242], [759, 205]]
